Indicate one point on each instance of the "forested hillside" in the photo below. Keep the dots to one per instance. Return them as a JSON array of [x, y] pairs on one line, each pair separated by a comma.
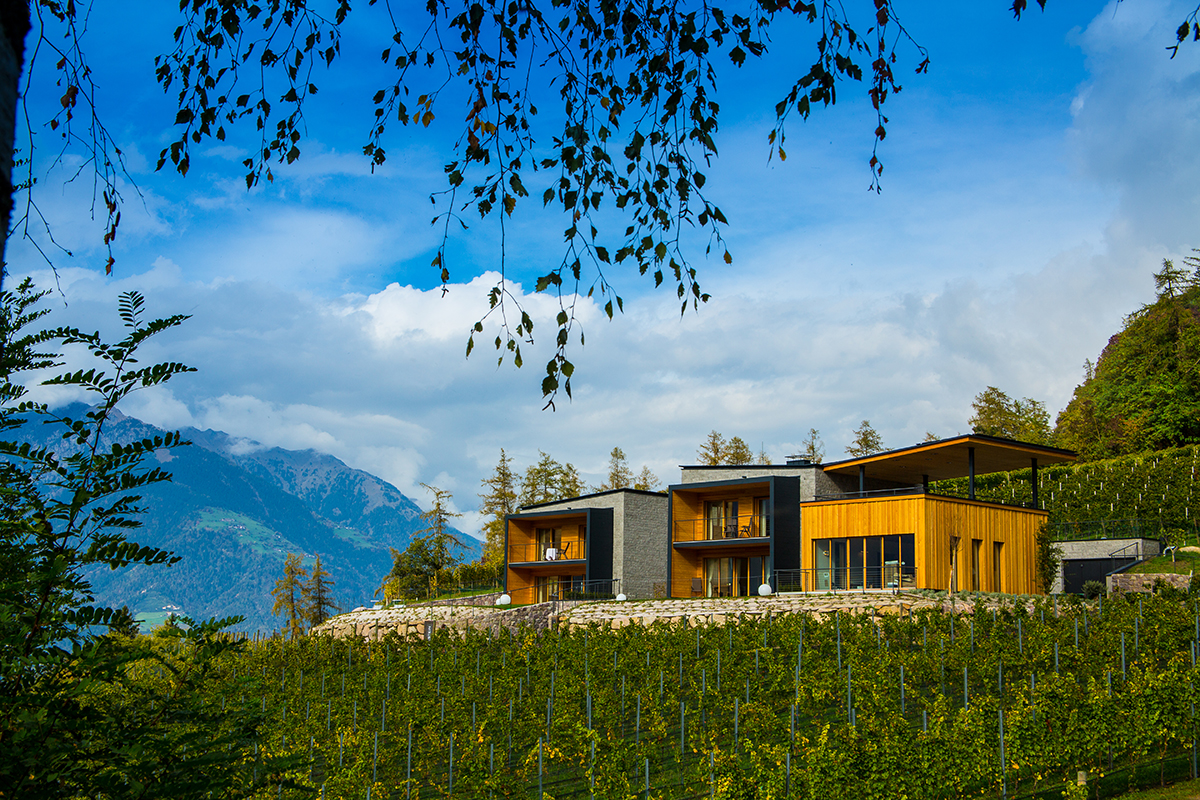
[[234, 513], [1143, 393]]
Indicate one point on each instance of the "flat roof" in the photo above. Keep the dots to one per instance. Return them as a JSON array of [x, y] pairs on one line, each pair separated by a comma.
[[948, 458]]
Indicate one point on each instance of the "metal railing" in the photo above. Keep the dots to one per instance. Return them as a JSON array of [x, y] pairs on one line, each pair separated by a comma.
[[754, 526], [890, 577], [568, 588], [563, 551], [899, 490]]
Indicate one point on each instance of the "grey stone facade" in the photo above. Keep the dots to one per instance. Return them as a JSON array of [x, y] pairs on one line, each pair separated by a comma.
[[641, 539], [814, 482]]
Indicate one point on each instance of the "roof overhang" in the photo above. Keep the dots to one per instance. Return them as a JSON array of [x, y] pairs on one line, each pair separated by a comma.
[[950, 458]]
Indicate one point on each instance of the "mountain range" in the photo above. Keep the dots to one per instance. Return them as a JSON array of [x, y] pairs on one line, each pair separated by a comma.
[[234, 510]]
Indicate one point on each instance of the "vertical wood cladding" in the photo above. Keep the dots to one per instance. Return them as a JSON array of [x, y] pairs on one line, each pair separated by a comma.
[[936, 522]]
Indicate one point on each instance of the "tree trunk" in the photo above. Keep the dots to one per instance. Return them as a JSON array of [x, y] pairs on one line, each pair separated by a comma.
[[14, 24]]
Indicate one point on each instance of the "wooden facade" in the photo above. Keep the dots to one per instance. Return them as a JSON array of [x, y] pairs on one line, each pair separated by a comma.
[[985, 546], [544, 551], [727, 537]]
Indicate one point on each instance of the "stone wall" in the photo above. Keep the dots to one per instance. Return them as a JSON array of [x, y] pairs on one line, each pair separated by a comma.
[[420, 620], [374, 624], [1144, 582]]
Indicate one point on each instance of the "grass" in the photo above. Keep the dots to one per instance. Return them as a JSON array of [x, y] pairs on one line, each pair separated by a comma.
[[1184, 790], [1183, 563]]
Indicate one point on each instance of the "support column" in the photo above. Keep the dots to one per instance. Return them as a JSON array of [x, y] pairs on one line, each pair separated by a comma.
[[925, 483], [862, 478], [1033, 478], [971, 473]]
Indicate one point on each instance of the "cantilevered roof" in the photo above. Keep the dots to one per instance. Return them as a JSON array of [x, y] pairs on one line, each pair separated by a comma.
[[949, 458]]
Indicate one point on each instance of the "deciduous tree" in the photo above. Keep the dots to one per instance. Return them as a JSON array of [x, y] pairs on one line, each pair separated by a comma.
[[712, 450], [429, 560], [548, 480], [996, 414], [75, 718]]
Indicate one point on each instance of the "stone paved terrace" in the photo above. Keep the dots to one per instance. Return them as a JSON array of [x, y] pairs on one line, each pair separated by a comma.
[[413, 620]]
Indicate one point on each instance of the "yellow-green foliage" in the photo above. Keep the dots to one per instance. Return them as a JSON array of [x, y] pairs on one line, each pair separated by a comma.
[[793, 733], [1159, 487]]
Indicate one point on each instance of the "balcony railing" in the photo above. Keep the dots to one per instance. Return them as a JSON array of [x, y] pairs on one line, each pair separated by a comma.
[[866, 495], [563, 551], [850, 579], [567, 588], [699, 530]]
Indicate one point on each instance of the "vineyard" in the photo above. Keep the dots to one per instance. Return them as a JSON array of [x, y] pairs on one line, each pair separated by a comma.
[[1008, 703], [1157, 486]]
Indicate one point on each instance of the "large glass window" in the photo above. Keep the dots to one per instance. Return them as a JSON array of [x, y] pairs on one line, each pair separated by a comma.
[[735, 577], [549, 544], [722, 516], [865, 562]]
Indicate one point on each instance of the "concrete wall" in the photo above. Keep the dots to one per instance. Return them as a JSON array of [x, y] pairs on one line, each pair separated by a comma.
[[1087, 549], [641, 541]]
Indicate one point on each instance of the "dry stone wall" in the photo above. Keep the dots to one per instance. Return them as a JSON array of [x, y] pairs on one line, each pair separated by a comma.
[[1144, 582], [420, 620]]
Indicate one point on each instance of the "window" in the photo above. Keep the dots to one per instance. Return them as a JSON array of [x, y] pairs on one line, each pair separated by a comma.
[[997, 560], [976, 547], [761, 524], [865, 562], [722, 516], [549, 542], [735, 577]]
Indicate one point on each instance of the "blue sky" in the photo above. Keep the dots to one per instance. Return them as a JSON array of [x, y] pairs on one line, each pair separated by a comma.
[[1034, 180]]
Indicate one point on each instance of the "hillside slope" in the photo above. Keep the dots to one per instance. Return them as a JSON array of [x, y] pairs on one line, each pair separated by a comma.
[[234, 510]]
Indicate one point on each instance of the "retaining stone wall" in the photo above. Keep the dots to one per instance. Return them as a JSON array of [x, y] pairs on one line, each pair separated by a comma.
[[1144, 582], [412, 620]]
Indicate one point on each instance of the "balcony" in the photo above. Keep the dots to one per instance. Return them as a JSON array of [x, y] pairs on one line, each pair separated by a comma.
[[537, 552], [757, 526]]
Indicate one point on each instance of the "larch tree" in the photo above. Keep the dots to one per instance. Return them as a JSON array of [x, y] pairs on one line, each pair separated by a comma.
[[620, 476], [814, 448], [867, 441], [737, 452], [318, 596], [646, 480], [497, 502], [429, 559], [289, 595], [712, 450], [548, 480]]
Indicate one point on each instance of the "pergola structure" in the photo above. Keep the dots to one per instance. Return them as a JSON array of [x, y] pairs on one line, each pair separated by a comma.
[[958, 457]]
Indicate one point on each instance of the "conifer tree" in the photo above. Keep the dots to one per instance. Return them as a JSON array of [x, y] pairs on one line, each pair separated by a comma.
[[867, 441], [712, 450], [646, 480], [620, 476], [737, 452], [289, 595], [318, 600], [498, 502], [814, 448]]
